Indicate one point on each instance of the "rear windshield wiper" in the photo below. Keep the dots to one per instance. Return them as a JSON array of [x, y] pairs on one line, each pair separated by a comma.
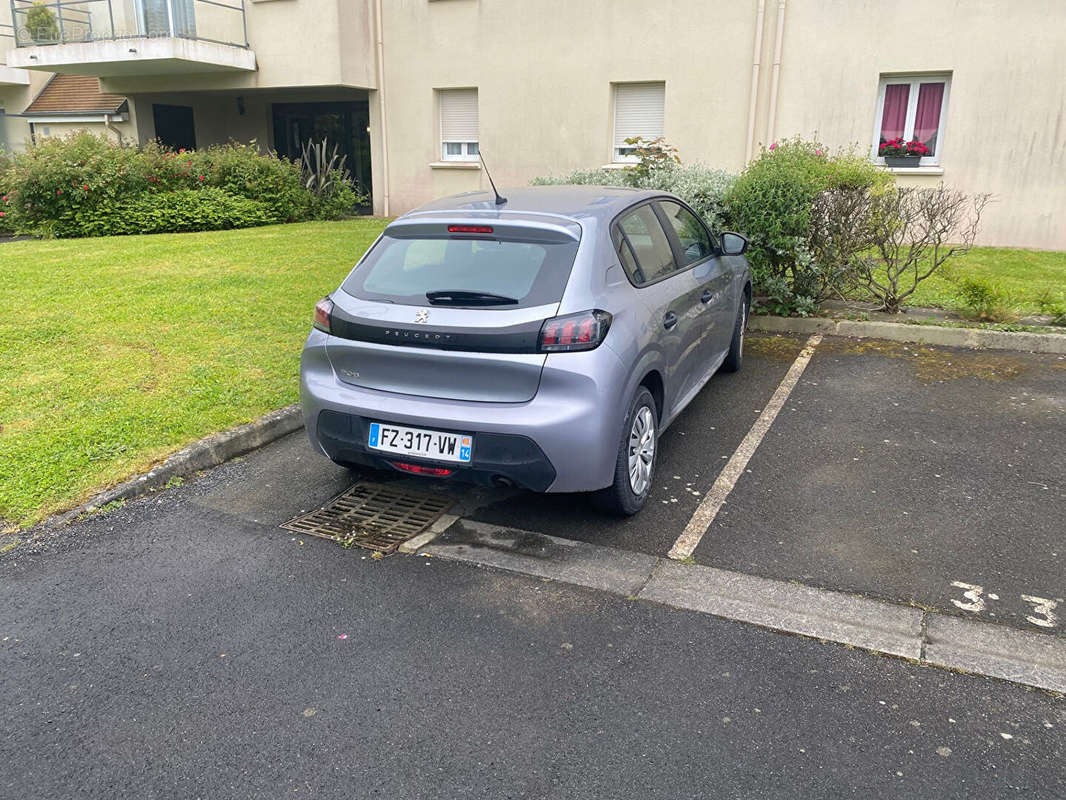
[[459, 297]]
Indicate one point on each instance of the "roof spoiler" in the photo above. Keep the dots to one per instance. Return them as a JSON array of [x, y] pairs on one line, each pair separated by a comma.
[[513, 229]]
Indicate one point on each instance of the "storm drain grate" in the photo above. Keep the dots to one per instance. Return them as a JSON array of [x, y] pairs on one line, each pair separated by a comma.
[[372, 515]]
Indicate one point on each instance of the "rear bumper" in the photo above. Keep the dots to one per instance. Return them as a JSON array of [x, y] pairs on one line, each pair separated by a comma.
[[565, 439], [499, 459]]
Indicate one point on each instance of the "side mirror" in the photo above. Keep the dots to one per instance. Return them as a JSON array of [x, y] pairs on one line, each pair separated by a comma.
[[733, 244]]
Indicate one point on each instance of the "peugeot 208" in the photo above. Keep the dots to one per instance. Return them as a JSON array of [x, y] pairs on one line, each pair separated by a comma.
[[544, 341]]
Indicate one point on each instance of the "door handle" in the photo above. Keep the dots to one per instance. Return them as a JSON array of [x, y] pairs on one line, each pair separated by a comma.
[[669, 320], [707, 296]]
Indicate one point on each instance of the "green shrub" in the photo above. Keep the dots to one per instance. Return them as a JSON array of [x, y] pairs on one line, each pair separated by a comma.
[[7, 208], [984, 300], [42, 24], [1053, 306], [207, 209], [700, 186], [338, 201], [84, 185], [241, 170], [771, 203], [60, 184]]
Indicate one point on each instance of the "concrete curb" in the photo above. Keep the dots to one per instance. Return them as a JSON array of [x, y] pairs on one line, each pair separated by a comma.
[[790, 607], [926, 637], [917, 334], [604, 568], [204, 454]]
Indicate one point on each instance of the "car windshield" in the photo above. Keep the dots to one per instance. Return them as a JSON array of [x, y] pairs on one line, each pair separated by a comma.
[[404, 270]]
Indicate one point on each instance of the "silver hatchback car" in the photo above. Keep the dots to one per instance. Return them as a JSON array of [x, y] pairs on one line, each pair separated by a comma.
[[543, 342]]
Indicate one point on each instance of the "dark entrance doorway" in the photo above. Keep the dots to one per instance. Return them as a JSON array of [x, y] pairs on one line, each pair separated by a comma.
[[174, 127], [341, 123]]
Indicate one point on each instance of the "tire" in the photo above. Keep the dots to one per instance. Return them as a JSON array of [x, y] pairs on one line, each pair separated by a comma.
[[622, 497], [735, 357]]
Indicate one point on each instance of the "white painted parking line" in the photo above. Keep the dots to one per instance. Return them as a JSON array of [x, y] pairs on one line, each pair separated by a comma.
[[713, 501]]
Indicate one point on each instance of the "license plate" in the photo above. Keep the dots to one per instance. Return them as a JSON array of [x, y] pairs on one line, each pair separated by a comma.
[[435, 445]]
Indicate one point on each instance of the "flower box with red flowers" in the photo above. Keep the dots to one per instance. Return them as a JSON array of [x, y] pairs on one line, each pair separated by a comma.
[[898, 153]]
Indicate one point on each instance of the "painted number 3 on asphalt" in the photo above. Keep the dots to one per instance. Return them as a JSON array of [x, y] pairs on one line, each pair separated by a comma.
[[975, 600]]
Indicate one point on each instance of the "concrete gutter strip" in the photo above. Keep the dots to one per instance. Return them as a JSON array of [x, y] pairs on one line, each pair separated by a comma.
[[917, 334], [789, 607], [204, 454], [1035, 659], [603, 568], [982, 648]]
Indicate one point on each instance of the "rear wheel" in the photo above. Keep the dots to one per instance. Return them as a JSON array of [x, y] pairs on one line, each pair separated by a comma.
[[634, 469], [735, 357]]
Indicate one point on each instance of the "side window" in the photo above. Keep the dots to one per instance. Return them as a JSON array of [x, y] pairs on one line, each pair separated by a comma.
[[650, 247], [696, 243]]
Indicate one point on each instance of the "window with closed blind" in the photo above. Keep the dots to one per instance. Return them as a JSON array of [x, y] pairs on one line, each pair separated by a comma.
[[458, 124], [638, 113]]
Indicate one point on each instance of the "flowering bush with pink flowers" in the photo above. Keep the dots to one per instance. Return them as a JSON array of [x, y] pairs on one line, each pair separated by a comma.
[[85, 186]]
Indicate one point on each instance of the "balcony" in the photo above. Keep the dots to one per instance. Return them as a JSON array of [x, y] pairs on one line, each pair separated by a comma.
[[113, 38], [9, 76]]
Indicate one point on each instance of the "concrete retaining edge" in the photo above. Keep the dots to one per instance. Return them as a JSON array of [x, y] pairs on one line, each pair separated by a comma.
[[931, 638], [203, 454], [917, 334]]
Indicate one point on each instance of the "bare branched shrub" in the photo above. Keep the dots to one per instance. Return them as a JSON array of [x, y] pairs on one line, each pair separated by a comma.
[[840, 239], [914, 232]]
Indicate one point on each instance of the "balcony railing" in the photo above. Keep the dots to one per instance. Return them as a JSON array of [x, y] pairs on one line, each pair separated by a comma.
[[53, 22]]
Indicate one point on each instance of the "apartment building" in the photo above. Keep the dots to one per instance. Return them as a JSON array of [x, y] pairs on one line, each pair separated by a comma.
[[413, 90]]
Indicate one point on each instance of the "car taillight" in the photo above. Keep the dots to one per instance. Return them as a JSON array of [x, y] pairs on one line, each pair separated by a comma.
[[469, 229], [323, 311], [419, 469], [573, 332]]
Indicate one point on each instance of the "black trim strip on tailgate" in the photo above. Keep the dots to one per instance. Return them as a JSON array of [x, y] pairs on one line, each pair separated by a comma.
[[512, 339]]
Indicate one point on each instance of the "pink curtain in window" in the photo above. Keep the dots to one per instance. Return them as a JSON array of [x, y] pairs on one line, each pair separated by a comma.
[[927, 117], [895, 114]]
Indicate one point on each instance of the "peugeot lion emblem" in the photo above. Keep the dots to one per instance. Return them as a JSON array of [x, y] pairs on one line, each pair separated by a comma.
[[422, 315]]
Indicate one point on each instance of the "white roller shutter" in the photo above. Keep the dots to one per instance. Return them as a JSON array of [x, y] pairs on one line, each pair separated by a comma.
[[638, 111], [458, 115]]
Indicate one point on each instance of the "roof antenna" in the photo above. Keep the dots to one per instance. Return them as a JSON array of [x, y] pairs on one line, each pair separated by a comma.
[[499, 200]]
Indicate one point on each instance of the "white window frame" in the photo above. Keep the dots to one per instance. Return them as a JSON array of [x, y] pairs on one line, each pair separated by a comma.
[[617, 157], [914, 81], [468, 149]]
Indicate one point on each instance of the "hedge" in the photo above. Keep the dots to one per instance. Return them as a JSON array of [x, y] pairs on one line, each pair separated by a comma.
[[84, 185]]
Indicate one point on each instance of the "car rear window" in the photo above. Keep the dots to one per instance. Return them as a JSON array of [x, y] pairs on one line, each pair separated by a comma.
[[402, 270]]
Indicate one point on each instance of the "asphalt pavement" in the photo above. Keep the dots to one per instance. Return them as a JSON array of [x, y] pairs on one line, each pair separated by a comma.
[[172, 649], [900, 471], [186, 646]]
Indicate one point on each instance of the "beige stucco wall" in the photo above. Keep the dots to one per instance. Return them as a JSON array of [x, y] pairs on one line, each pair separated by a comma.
[[1008, 87], [544, 72], [14, 100], [544, 69]]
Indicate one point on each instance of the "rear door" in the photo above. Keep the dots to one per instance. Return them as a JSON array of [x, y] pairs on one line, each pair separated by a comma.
[[672, 297], [451, 311], [697, 250]]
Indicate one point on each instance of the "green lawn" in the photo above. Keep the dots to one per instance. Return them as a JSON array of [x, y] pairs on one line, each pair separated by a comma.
[[116, 352], [1024, 274]]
